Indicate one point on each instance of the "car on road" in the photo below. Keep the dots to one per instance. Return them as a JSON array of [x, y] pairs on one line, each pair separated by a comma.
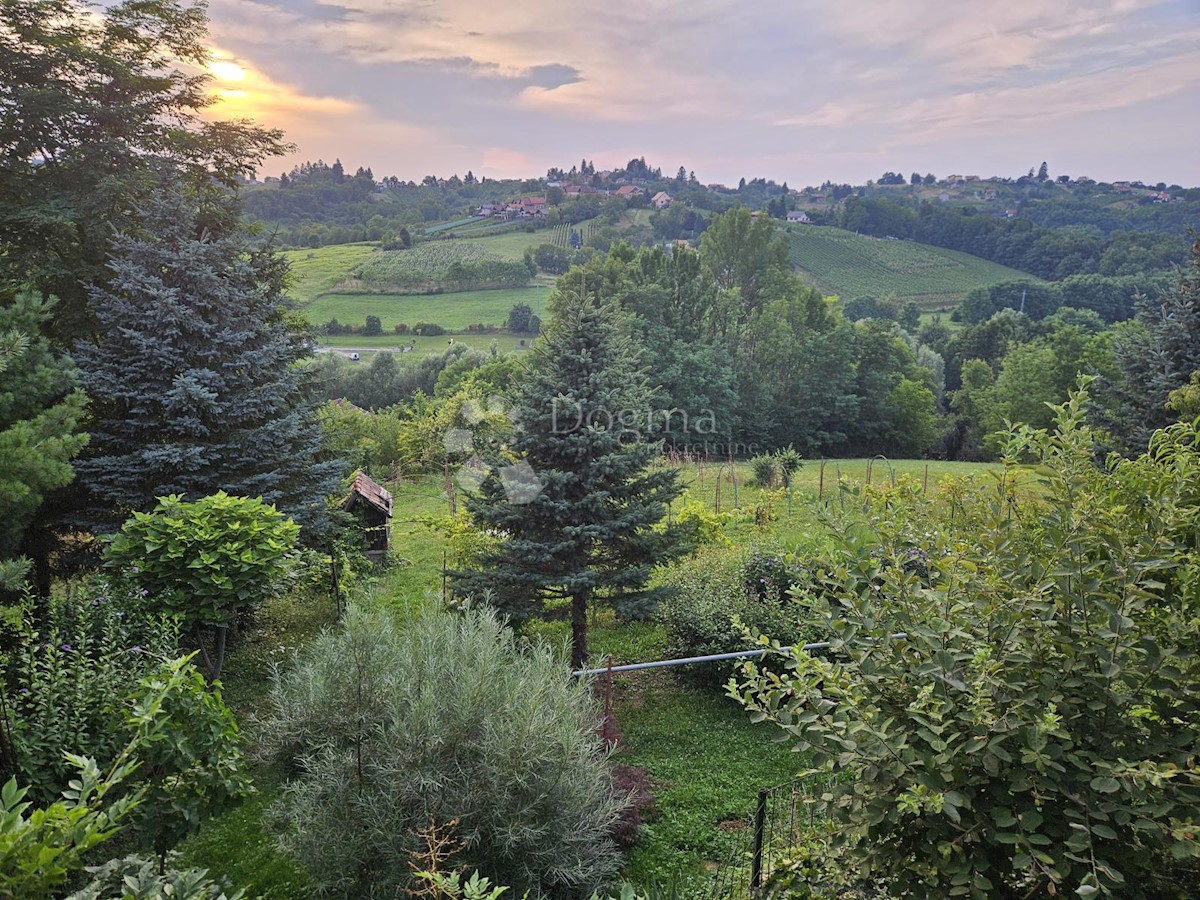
[[354, 357]]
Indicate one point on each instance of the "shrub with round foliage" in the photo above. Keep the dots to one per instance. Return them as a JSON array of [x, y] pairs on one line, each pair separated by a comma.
[[206, 559], [383, 730], [717, 593]]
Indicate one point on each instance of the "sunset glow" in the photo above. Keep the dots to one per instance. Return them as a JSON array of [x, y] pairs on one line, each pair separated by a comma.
[[789, 89]]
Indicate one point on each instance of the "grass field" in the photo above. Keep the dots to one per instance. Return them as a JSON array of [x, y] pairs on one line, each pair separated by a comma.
[[316, 271], [852, 266], [452, 311], [505, 343], [325, 286], [508, 245]]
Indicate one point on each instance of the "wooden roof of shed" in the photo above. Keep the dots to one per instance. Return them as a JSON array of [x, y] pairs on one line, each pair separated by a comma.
[[369, 490]]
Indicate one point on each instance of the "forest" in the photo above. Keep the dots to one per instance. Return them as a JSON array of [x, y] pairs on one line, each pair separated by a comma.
[[279, 622]]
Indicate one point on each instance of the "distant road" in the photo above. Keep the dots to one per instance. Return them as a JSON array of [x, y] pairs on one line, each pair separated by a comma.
[[346, 351]]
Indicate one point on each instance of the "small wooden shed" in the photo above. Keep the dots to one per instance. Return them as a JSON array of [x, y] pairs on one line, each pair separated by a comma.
[[372, 503]]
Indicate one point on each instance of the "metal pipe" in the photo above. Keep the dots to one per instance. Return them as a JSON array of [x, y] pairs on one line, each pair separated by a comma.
[[713, 657]]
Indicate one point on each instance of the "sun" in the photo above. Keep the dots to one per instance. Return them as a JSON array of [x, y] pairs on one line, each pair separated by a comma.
[[226, 70]]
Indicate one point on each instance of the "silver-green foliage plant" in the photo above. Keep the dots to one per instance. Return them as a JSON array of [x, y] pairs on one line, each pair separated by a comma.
[[1036, 732], [139, 878], [383, 729]]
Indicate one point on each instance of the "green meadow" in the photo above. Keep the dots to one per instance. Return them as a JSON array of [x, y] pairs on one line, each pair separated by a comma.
[[454, 312]]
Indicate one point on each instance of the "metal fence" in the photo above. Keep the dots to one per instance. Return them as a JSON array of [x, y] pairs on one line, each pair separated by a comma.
[[781, 817]]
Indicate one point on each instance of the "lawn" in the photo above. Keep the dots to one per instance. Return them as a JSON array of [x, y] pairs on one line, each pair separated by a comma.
[[852, 266], [453, 312], [509, 244]]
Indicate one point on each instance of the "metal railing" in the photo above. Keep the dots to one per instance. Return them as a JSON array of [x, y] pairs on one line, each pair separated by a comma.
[[713, 657]]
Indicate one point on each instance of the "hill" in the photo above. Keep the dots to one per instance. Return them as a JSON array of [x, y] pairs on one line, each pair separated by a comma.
[[855, 266]]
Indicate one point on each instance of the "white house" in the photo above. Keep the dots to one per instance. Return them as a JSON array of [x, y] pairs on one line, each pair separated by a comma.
[[799, 215], [661, 200]]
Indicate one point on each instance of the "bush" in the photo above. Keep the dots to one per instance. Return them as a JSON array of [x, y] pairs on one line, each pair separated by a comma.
[[373, 327], [382, 731], [139, 878], [519, 318], [43, 848], [206, 560], [1035, 734], [766, 471], [428, 329], [720, 588], [790, 462]]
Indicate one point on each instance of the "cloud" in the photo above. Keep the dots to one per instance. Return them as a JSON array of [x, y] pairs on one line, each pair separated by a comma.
[[1021, 107], [243, 91], [456, 84]]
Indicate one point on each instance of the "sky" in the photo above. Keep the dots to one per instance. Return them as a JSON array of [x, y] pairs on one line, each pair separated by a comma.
[[801, 91]]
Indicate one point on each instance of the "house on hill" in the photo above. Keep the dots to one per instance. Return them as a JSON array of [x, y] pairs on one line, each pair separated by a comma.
[[525, 208], [661, 200], [629, 190], [372, 504], [944, 197], [799, 215]]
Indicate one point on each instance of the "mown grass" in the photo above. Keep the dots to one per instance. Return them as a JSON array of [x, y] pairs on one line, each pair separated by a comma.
[[454, 312], [509, 245], [505, 343]]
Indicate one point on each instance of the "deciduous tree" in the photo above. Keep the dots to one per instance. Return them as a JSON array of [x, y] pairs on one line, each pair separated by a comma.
[[93, 102]]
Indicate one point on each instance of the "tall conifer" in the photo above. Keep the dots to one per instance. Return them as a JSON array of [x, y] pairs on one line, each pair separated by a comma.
[[582, 509], [194, 379]]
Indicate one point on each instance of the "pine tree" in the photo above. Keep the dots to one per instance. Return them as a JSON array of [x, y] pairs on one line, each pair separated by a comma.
[[193, 378], [39, 427], [1157, 353], [582, 509]]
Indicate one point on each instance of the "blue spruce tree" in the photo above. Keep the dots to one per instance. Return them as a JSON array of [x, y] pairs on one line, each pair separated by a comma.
[[194, 376], [581, 509]]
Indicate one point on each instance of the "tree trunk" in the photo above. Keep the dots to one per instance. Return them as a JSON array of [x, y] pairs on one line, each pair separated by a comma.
[[579, 628]]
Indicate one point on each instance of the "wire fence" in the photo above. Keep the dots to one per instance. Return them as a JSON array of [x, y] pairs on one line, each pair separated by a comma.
[[780, 819]]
